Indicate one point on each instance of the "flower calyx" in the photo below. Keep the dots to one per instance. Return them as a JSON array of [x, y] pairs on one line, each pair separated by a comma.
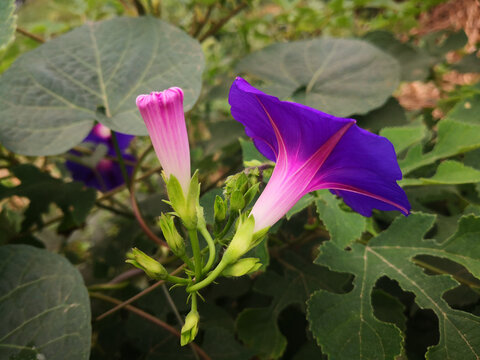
[[150, 266], [242, 267], [185, 207]]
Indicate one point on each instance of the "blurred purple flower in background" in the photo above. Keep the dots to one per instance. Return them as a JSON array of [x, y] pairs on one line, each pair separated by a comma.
[[314, 150], [105, 174]]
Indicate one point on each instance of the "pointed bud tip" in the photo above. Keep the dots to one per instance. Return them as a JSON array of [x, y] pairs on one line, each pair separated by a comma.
[[172, 95]]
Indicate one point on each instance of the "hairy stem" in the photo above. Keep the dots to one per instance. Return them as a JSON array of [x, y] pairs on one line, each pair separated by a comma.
[[209, 279], [197, 256]]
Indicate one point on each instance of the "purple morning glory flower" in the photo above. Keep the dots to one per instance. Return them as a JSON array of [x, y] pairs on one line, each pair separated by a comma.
[[107, 174], [314, 150]]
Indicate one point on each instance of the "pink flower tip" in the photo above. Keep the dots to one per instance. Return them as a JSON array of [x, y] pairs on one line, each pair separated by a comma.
[[171, 96]]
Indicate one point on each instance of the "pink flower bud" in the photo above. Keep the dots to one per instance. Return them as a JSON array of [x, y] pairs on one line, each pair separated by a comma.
[[165, 120]]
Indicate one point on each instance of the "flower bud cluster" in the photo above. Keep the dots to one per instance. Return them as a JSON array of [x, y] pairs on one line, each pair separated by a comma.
[[241, 190]]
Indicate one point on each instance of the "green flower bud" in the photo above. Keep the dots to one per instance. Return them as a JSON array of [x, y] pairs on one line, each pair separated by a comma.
[[190, 328], [237, 202], [242, 183], [236, 182], [173, 238], [242, 267], [219, 209], [152, 267], [241, 241]]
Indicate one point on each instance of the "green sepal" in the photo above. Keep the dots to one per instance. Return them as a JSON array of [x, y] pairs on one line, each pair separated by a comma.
[[150, 266], [190, 328], [259, 236], [242, 267], [185, 208], [241, 241]]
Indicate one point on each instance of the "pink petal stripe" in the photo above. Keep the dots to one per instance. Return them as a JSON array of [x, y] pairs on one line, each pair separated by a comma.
[[344, 187]]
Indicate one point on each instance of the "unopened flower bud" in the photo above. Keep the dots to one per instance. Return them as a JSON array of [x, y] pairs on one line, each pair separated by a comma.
[[237, 202], [173, 238], [165, 121], [242, 183], [242, 267], [152, 267], [190, 328], [219, 209]]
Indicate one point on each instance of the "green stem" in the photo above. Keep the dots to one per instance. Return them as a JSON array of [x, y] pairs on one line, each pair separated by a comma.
[[227, 227], [177, 280], [210, 278], [211, 249], [194, 302], [197, 256], [121, 161]]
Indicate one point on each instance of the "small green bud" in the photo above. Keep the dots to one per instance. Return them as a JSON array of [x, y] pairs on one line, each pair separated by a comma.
[[230, 184], [250, 194], [151, 266], [237, 202], [242, 183], [219, 209], [241, 241], [190, 328], [242, 267], [173, 238]]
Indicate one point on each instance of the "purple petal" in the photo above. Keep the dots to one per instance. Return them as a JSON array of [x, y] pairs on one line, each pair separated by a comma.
[[101, 134], [106, 176], [314, 150], [302, 129]]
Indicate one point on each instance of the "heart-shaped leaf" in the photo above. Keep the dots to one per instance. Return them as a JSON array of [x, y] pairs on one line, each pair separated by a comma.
[[338, 76], [44, 306], [7, 22], [50, 97]]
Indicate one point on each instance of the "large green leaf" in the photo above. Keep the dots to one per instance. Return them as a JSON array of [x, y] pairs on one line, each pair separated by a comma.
[[448, 172], [344, 325], [402, 137], [467, 110], [415, 63], [344, 226], [454, 137], [50, 97], [258, 328], [389, 114], [41, 189], [44, 306], [7, 22], [338, 76]]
